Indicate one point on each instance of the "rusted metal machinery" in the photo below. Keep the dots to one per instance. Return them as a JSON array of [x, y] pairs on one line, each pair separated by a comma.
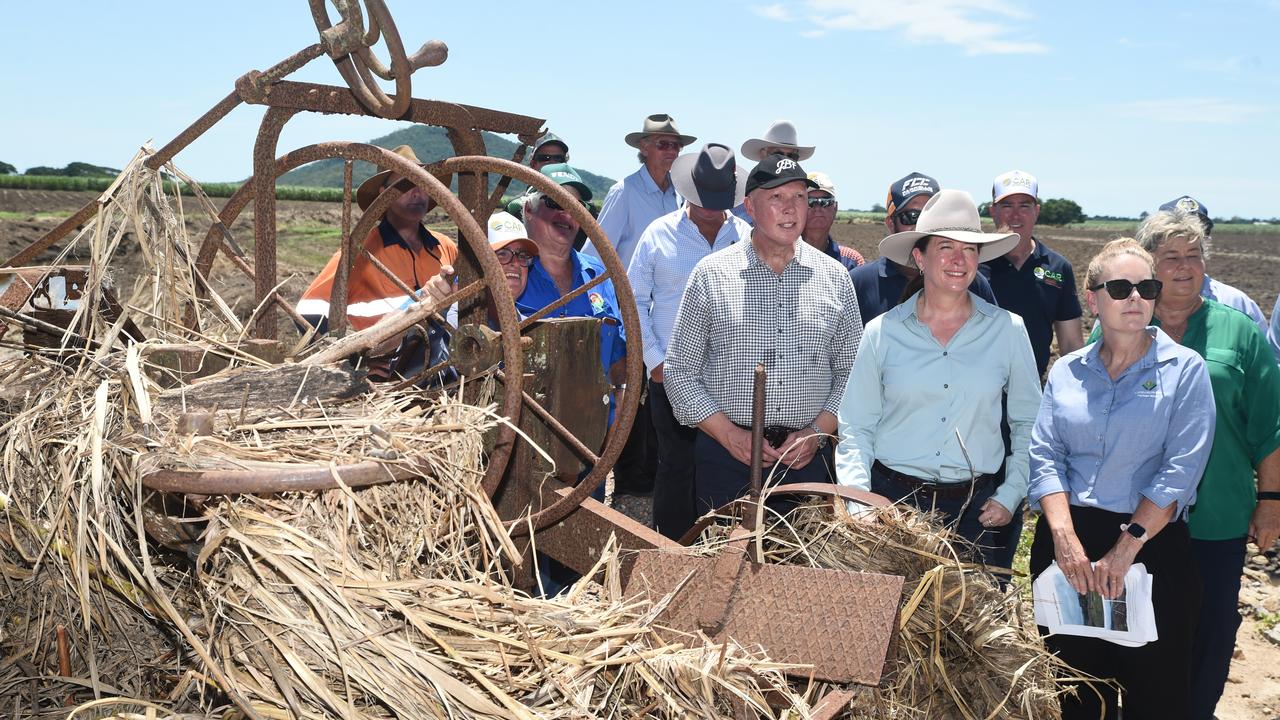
[[840, 624]]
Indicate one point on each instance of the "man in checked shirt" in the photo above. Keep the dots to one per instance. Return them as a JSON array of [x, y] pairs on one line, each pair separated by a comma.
[[775, 300]]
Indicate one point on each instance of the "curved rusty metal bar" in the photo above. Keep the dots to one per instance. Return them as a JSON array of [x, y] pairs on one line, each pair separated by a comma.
[[264, 214], [285, 478], [625, 415], [830, 490], [350, 48]]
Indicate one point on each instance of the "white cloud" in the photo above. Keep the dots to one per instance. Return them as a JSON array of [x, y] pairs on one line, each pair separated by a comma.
[[979, 27], [1192, 111], [777, 12]]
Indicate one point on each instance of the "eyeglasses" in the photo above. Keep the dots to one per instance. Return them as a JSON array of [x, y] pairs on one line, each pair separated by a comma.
[[666, 144], [793, 154], [545, 158], [907, 217], [1121, 289], [821, 202], [505, 256]]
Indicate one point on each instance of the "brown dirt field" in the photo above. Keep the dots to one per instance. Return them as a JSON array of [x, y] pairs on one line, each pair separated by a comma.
[[1244, 260]]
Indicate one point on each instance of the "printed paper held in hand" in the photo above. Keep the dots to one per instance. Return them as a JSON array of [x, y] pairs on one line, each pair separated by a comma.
[[1128, 620]]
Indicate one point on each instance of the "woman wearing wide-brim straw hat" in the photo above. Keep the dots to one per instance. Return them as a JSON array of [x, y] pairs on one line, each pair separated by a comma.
[[1118, 449], [920, 419]]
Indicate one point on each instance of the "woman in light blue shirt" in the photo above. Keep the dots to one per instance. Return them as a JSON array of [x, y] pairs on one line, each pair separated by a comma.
[[1121, 441], [920, 417]]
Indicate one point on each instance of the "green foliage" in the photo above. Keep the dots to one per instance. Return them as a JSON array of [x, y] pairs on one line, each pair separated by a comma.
[[7, 169], [219, 190], [878, 208], [1060, 211], [75, 169]]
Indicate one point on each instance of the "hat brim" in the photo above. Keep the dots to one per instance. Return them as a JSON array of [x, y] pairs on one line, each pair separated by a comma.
[[682, 178], [897, 247], [779, 182], [370, 189], [529, 246], [633, 139], [752, 148]]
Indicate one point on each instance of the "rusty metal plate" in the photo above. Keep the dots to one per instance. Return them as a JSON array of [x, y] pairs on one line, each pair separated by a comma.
[[839, 623]]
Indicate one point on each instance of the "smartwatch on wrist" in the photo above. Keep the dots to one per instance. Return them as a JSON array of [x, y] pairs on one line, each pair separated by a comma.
[[1138, 532], [1268, 495]]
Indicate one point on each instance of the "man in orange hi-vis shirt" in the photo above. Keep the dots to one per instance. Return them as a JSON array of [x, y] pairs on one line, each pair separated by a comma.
[[400, 241]]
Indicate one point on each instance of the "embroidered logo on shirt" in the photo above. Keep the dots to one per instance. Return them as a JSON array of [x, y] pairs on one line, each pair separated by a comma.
[[1150, 384], [1047, 276], [597, 302]]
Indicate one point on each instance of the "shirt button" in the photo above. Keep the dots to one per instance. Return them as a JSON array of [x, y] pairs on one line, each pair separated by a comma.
[[945, 386], [944, 353], [937, 453]]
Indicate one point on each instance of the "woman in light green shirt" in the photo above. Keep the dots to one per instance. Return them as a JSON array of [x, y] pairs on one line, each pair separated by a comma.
[[920, 417]]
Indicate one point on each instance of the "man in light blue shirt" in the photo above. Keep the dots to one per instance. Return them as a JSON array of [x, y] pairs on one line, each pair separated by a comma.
[[711, 183], [645, 195], [631, 204], [1273, 334]]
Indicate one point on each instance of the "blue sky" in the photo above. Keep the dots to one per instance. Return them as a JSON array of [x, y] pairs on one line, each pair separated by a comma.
[[1118, 106]]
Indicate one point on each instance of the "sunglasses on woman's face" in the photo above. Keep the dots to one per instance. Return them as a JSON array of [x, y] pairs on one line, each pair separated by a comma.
[[1121, 289], [552, 204]]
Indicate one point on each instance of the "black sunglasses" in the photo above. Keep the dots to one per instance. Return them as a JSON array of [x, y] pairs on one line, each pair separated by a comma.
[[907, 217], [544, 158], [821, 202], [553, 205], [1121, 289]]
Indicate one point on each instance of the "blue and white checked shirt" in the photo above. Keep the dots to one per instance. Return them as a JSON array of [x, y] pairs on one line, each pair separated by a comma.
[[631, 204], [660, 269], [1109, 443], [803, 324]]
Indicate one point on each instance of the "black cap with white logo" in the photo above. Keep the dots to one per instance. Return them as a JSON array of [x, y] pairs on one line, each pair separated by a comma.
[[775, 170]]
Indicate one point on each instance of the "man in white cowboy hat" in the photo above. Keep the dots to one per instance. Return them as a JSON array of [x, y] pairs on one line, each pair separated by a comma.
[[879, 284], [773, 300], [779, 139], [921, 417], [823, 207], [630, 205], [1033, 280], [422, 260], [710, 182]]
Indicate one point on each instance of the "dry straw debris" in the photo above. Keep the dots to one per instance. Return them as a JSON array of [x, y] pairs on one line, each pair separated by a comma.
[[386, 601]]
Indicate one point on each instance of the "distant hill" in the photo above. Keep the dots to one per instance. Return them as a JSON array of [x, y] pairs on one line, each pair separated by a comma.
[[430, 144]]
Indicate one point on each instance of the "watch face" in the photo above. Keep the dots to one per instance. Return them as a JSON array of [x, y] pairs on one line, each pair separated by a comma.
[[1136, 530]]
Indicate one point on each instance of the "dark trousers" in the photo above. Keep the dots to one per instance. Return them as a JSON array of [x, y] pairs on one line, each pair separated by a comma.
[[720, 478], [674, 511], [951, 506], [636, 466], [1154, 677], [1221, 564]]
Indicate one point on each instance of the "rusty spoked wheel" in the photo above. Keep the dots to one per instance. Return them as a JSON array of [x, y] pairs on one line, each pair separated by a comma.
[[350, 47], [625, 414], [490, 279]]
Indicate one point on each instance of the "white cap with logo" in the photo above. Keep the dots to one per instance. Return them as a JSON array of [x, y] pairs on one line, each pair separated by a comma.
[[1015, 182]]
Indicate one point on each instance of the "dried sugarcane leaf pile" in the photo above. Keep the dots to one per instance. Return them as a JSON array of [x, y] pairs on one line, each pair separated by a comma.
[[966, 648], [382, 601]]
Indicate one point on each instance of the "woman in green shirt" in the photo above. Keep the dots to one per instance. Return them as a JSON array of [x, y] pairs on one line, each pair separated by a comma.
[[1230, 510]]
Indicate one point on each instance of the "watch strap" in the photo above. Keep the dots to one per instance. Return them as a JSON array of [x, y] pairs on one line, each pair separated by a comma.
[[1268, 495], [1138, 532]]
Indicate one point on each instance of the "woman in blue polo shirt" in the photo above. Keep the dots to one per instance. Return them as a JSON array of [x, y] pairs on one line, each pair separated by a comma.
[[1121, 441]]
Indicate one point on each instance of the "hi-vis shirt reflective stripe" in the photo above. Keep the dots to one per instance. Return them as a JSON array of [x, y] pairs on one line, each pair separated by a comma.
[[372, 294]]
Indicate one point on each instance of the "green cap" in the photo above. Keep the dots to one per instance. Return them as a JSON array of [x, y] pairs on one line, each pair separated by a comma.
[[564, 174]]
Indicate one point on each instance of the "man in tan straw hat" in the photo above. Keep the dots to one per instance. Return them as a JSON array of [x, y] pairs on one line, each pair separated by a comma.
[[423, 260], [628, 208]]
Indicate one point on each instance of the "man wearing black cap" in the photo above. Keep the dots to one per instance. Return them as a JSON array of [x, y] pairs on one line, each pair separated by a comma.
[[549, 149], [774, 300], [879, 284], [711, 183], [1216, 289]]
